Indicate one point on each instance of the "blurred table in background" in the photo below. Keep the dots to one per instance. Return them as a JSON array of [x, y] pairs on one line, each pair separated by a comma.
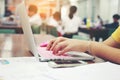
[[11, 29], [96, 33]]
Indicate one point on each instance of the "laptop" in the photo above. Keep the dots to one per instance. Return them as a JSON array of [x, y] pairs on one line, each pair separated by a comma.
[[40, 52]]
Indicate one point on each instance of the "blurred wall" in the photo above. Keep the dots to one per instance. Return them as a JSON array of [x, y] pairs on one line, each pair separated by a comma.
[[2, 8], [108, 8], [104, 8]]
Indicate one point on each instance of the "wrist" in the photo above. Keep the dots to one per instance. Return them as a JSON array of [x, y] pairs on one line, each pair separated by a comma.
[[89, 44]]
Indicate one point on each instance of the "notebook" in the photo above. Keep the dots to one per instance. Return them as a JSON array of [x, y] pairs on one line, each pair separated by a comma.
[[40, 52]]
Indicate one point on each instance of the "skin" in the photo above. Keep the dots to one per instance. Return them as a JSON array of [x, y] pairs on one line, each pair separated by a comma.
[[30, 13], [108, 50]]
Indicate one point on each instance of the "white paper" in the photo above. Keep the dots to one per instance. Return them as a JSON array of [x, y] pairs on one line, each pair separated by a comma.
[[27, 68], [97, 71], [23, 68]]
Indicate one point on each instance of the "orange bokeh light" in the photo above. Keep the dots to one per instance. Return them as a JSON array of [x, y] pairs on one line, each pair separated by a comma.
[[44, 6]]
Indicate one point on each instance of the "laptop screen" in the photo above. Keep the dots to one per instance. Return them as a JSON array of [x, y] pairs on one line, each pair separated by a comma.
[[24, 20]]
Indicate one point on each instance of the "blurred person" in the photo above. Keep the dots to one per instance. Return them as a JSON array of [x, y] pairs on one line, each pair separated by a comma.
[[55, 21], [71, 23], [99, 22], [34, 17], [85, 20], [108, 50], [8, 16], [9, 21], [8, 12], [115, 22]]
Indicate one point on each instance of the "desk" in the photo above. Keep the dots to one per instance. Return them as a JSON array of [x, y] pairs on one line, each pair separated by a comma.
[[17, 29], [96, 32], [14, 45], [30, 69]]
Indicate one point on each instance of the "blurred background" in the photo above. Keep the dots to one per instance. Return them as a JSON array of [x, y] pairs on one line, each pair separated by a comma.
[[90, 8], [87, 10]]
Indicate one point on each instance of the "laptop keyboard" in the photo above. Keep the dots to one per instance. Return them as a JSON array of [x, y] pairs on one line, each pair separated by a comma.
[[49, 56]]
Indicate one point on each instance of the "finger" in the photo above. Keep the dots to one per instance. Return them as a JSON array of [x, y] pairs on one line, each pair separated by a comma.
[[56, 42], [50, 44], [63, 51], [53, 45], [59, 47]]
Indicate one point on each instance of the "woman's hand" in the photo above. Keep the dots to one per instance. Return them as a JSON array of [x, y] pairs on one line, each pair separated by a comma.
[[61, 45], [54, 42]]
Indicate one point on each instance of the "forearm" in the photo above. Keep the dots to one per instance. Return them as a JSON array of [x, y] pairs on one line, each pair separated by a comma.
[[111, 42], [106, 52]]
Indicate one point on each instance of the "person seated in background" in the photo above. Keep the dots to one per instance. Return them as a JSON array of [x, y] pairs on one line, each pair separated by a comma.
[[34, 18], [115, 23], [9, 21], [86, 23], [99, 22], [9, 17], [85, 20], [8, 12], [55, 21], [108, 50], [71, 23]]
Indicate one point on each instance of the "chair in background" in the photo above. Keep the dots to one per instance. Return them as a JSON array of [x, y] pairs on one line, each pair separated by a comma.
[[7, 31], [52, 30], [81, 36], [35, 29]]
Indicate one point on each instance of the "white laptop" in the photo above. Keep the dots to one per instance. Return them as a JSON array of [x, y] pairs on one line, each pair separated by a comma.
[[40, 52]]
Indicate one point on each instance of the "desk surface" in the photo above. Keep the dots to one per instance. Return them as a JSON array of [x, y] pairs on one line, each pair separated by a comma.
[[14, 45]]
